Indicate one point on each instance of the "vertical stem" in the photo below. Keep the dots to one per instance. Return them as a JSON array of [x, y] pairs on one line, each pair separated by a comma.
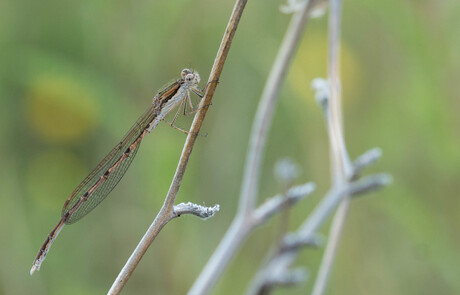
[[331, 248], [335, 113], [263, 118], [340, 162]]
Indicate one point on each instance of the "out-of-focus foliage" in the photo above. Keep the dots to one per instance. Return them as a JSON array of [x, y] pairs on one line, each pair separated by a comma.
[[74, 75]]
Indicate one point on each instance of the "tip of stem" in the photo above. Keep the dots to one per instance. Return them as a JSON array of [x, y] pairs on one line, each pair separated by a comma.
[[386, 179], [33, 269]]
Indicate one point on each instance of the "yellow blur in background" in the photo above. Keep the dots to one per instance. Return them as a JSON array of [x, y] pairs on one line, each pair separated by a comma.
[[75, 75]]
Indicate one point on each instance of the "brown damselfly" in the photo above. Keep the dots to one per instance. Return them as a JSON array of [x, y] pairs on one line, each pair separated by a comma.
[[100, 182]]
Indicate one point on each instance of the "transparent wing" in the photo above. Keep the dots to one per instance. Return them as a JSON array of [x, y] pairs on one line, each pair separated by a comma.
[[105, 187]]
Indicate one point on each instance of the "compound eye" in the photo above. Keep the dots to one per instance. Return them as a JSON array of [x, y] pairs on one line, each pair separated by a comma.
[[189, 77], [185, 72]]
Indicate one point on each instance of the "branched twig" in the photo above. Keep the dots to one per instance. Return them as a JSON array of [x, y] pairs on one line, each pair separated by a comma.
[[365, 160], [292, 242], [280, 261], [344, 183], [273, 205], [167, 211], [343, 171], [239, 230]]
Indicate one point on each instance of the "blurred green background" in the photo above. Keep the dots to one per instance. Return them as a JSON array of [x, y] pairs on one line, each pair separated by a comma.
[[74, 76]]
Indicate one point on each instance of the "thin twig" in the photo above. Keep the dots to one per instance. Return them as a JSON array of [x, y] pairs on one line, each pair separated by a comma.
[[365, 160], [280, 261], [322, 211], [331, 249], [268, 101], [238, 230], [167, 210], [272, 206], [341, 165]]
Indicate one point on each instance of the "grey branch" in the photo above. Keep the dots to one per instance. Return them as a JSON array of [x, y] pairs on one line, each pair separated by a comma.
[[294, 242], [365, 160], [195, 209], [291, 277], [281, 260], [276, 203], [275, 275], [284, 278], [369, 183], [318, 10], [330, 201], [342, 169]]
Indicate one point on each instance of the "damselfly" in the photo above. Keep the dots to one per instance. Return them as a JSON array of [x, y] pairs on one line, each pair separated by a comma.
[[100, 182]]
